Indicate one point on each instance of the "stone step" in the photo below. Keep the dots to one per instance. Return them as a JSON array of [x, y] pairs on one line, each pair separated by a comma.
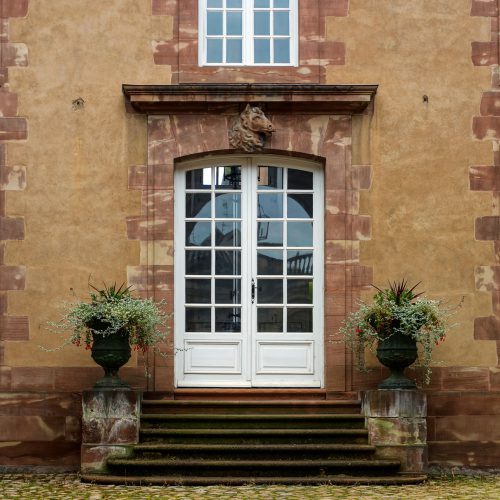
[[165, 406], [253, 451], [252, 421], [173, 480], [255, 436], [252, 468], [249, 394]]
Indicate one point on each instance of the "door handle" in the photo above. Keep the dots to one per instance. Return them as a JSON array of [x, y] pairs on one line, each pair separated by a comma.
[[253, 290]]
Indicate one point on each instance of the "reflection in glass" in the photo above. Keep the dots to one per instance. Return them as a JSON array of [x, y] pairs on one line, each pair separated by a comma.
[[269, 205], [228, 177], [270, 319], [199, 178], [299, 262], [269, 291], [198, 262], [227, 319], [198, 291], [233, 23], [228, 234], [262, 50], [198, 319], [281, 26], [270, 178], [234, 51], [228, 262], [300, 206], [299, 179], [281, 51], [198, 205], [300, 234], [299, 291], [270, 234], [228, 291], [299, 320], [269, 262], [214, 23], [198, 234], [227, 205], [214, 50]]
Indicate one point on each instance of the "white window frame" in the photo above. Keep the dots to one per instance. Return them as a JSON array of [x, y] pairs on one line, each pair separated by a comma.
[[248, 37]]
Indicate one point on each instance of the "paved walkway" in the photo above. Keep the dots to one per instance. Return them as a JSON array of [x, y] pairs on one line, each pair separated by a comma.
[[54, 487]]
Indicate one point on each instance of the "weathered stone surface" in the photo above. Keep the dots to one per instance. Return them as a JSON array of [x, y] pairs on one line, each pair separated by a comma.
[[14, 328], [93, 457], [390, 430], [12, 178], [487, 328], [413, 458], [395, 404], [487, 228], [484, 53], [12, 277], [464, 453], [486, 8], [110, 404], [11, 228]]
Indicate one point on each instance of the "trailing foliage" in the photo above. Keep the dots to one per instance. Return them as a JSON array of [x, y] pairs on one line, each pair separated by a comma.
[[112, 309], [397, 309]]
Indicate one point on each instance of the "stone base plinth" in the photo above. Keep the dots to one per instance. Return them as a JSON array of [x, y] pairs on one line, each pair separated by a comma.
[[110, 426], [396, 422]]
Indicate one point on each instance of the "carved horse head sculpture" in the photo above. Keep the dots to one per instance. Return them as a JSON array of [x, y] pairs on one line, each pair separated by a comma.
[[250, 129]]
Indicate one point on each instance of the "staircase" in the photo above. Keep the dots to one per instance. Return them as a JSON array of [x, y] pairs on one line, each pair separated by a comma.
[[194, 441]]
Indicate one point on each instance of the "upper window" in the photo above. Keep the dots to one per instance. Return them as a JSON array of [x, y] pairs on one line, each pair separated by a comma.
[[248, 32]]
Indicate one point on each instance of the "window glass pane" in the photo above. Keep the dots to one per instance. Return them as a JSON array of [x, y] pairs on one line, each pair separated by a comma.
[[270, 262], [227, 205], [233, 4], [281, 25], [262, 52], [300, 206], [270, 234], [299, 179], [270, 319], [198, 319], [214, 3], [214, 23], [281, 50], [227, 234], [299, 320], [198, 291], [258, 4], [198, 205], [228, 262], [300, 234], [198, 262], [270, 178], [227, 319], [270, 205], [198, 234], [234, 51], [199, 178], [214, 50], [269, 291], [228, 177], [281, 4], [233, 23], [300, 262], [228, 291], [300, 291], [262, 22]]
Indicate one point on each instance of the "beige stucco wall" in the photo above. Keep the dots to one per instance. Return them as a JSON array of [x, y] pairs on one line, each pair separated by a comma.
[[76, 198]]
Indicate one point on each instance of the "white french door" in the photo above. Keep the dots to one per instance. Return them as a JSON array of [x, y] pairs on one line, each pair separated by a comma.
[[249, 272]]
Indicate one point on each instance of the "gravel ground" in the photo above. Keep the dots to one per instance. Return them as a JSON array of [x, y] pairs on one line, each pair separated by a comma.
[[68, 486]]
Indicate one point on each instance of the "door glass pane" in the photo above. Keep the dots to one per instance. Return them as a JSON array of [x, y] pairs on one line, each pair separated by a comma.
[[233, 20], [227, 319], [270, 291], [228, 291], [282, 50], [234, 51], [281, 4], [270, 234], [270, 178], [300, 206], [228, 262], [262, 22], [281, 24], [228, 234], [228, 177], [198, 205], [270, 319], [300, 234], [214, 23], [300, 291], [198, 234], [258, 4], [299, 179], [299, 320], [269, 205], [198, 262], [214, 50], [200, 178], [262, 50], [198, 319], [214, 3], [228, 205], [198, 291], [234, 4], [300, 262], [270, 262]]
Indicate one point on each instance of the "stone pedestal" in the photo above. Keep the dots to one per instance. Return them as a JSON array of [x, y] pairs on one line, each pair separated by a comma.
[[110, 426], [397, 427]]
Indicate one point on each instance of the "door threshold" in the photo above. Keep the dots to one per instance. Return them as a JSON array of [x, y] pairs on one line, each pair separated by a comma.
[[249, 393]]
